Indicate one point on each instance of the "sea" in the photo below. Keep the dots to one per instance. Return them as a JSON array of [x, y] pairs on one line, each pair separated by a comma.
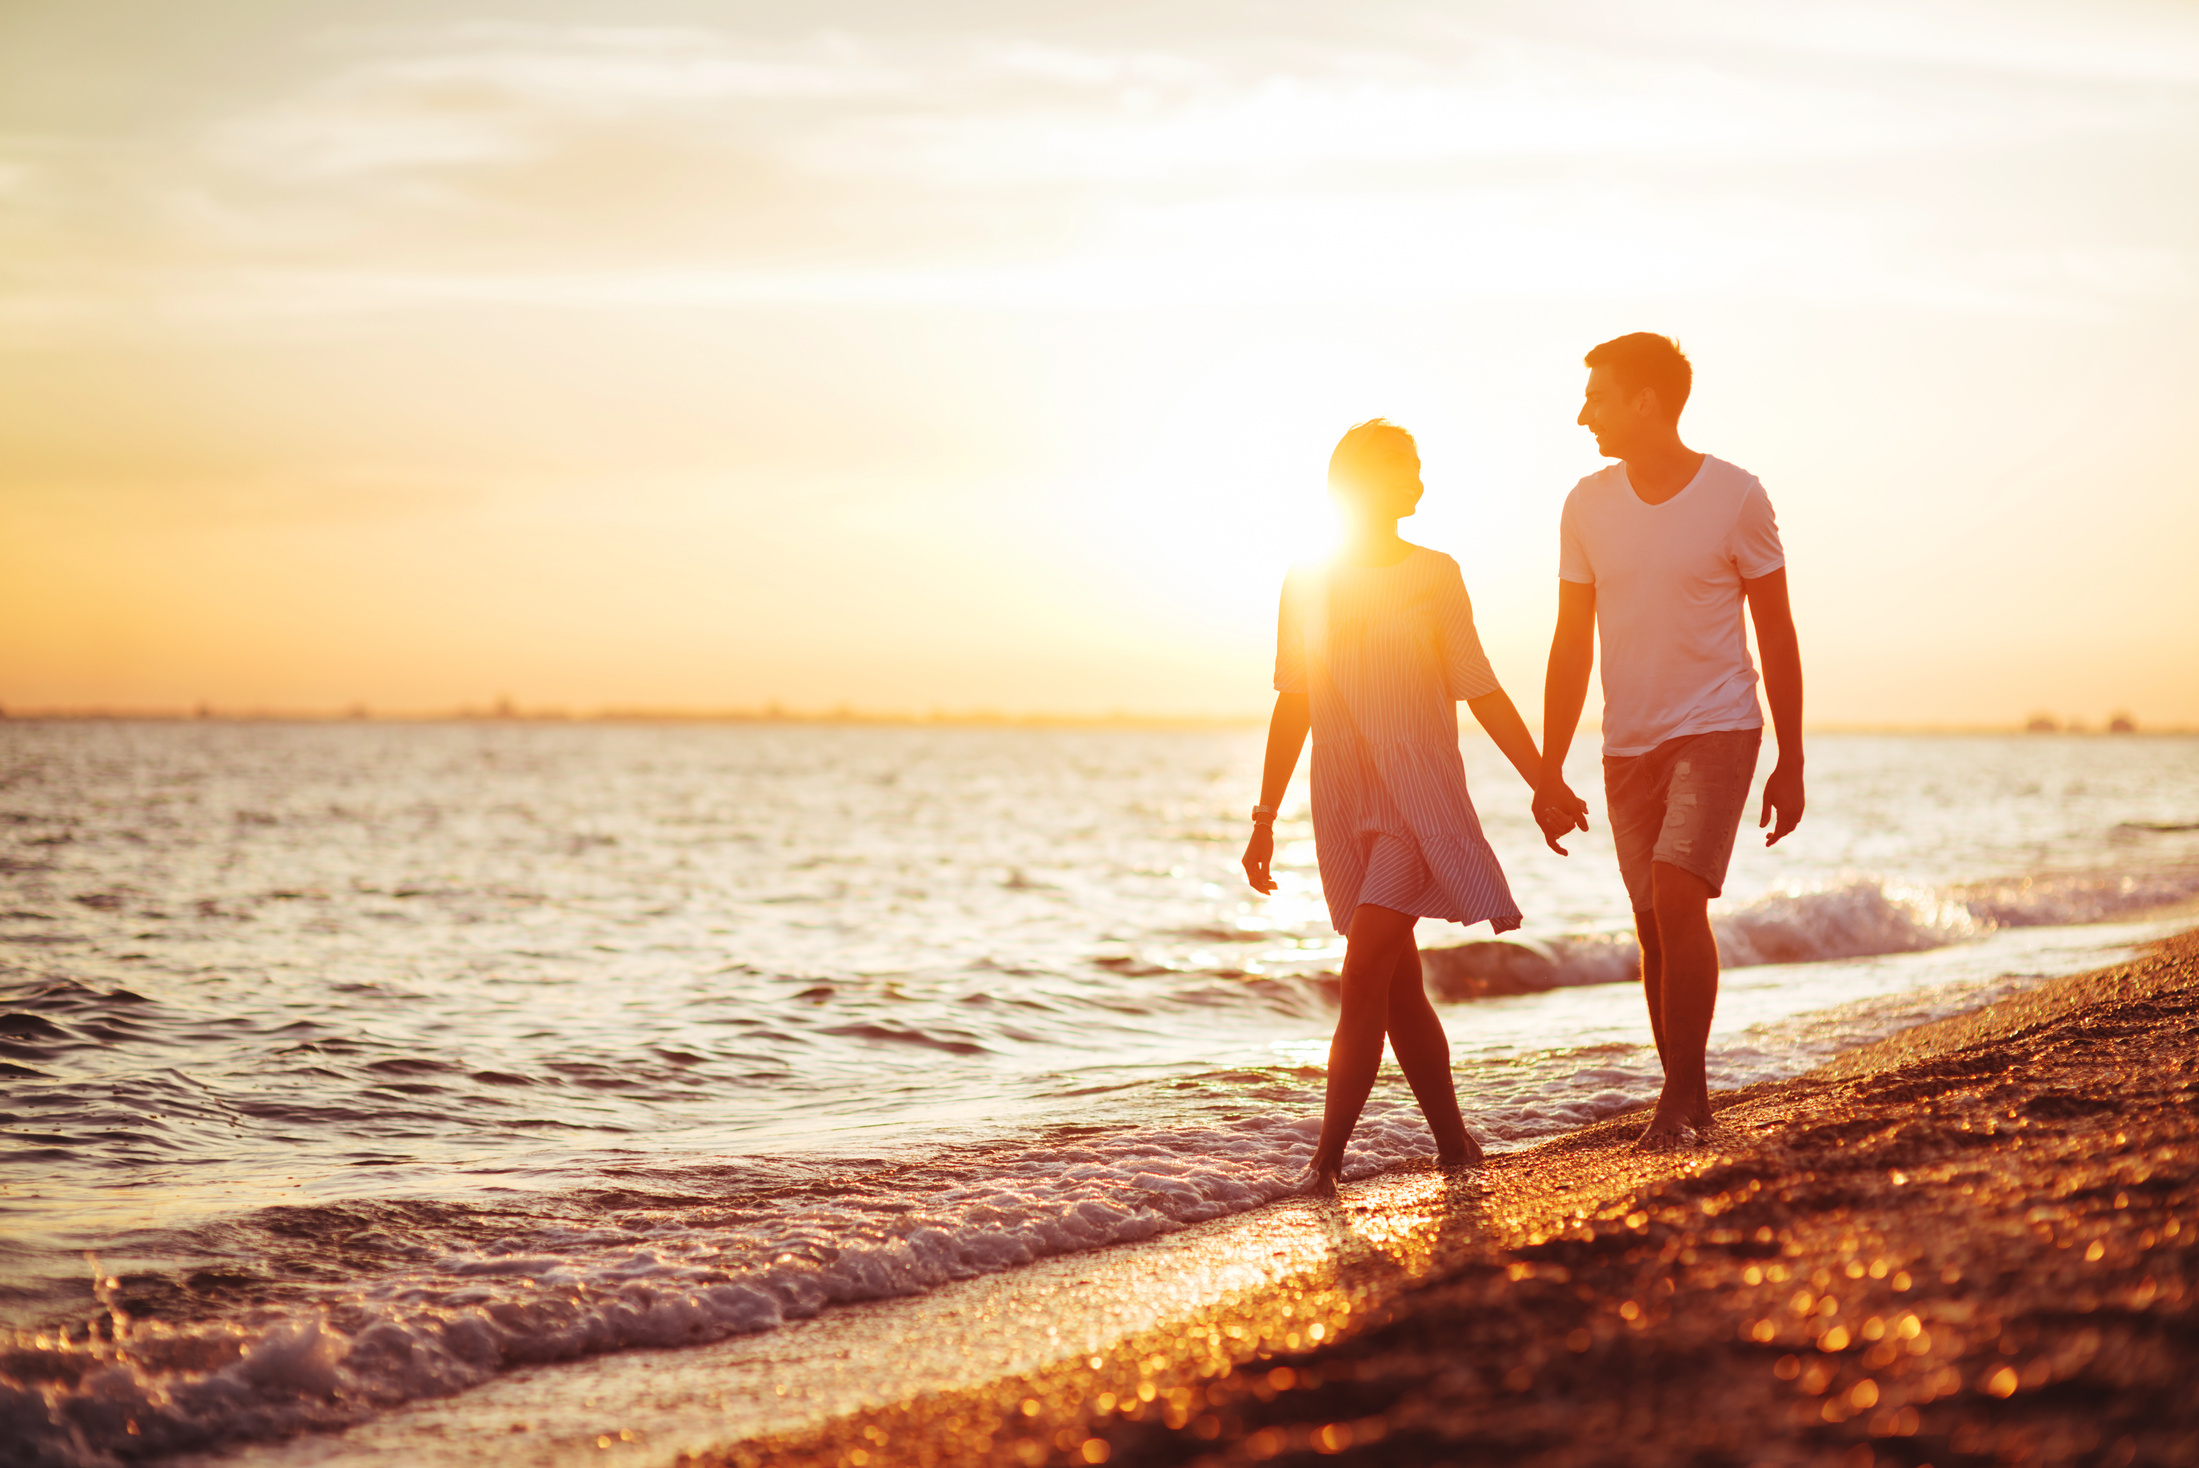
[[348, 1064]]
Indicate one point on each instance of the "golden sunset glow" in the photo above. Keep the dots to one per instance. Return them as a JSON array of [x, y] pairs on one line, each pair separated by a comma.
[[682, 355]]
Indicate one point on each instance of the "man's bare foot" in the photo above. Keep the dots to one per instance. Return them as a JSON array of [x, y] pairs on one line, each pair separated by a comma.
[[1668, 1130]]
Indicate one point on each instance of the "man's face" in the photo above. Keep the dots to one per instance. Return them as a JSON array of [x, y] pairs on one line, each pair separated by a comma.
[[1615, 416]]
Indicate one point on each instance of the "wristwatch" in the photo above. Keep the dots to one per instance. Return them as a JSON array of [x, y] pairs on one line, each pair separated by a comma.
[[1263, 815]]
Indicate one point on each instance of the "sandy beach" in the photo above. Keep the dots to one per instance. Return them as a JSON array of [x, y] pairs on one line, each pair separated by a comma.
[[1971, 1243]]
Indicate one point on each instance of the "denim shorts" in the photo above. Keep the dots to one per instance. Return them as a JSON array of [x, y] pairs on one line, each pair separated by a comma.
[[1681, 804]]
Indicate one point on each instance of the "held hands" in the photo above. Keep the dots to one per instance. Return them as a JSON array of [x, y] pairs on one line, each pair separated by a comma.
[[1260, 851], [1783, 794], [1560, 813]]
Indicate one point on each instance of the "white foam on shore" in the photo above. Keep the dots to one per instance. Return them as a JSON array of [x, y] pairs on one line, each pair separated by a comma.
[[1857, 917], [683, 1277]]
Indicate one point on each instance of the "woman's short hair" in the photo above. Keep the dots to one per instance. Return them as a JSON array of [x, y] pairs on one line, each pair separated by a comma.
[[1644, 359], [1369, 450]]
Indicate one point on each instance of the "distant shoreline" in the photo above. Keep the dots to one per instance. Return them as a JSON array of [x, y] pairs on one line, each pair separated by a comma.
[[857, 718], [849, 717]]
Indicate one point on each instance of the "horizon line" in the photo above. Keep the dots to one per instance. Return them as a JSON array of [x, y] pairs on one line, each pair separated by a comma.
[[507, 713]]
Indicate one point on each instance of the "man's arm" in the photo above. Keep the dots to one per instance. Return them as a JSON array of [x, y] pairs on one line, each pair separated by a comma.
[[1564, 692], [1782, 654], [1286, 736], [1495, 713]]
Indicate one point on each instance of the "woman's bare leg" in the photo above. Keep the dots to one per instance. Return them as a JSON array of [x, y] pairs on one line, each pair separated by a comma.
[[1424, 1053], [1378, 939]]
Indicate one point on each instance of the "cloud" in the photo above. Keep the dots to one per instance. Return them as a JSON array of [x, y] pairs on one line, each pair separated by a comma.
[[484, 95], [2014, 40], [1502, 100], [983, 112], [1026, 162]]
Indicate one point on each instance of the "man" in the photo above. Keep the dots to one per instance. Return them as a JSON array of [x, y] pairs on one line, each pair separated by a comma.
[[1660, 550]]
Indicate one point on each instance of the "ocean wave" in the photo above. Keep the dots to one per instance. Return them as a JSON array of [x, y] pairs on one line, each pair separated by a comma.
[[584, 1276], [1861, 918]]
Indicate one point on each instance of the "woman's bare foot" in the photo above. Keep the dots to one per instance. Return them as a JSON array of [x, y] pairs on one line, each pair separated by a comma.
[[1320, 1182], [1466, 1156]]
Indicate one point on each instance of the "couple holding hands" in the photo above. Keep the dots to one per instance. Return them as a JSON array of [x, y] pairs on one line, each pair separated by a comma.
[[1375, 648]]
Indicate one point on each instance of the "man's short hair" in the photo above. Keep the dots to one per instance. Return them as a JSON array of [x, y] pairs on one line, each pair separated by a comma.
[[1644, 359], [1368, 449]]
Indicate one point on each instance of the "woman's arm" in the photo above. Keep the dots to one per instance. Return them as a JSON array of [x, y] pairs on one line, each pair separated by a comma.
[[1495, 713], [1286, 736]]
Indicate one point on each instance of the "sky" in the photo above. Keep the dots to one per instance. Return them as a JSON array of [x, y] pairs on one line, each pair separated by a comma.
[[984, 356]]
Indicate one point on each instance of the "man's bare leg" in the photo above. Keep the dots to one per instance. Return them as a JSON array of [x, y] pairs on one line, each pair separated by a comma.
[[1681, 1004], [1423, 1052], [1379, 937], [1653, 973]]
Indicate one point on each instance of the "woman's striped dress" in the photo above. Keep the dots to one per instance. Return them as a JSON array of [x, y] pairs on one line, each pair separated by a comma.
[[1386, 652]]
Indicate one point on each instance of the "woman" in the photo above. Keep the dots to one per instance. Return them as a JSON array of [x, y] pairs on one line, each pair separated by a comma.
[[1372, 653]]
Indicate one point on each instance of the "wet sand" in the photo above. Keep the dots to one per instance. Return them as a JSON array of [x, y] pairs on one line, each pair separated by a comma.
[[1975, 1242]]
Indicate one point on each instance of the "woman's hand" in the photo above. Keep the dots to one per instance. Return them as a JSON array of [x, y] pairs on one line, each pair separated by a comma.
[[1286, 736], [1259, 852]]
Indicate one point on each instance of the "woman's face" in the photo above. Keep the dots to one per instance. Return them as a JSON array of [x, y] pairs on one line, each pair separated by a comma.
[[1390, 495]]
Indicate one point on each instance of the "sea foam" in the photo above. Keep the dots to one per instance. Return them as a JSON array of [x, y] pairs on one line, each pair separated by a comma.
[[673, 1275], [1853, 918]]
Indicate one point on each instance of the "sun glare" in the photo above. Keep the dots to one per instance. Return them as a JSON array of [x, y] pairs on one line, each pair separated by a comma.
[[1232, 479], [907, 366]]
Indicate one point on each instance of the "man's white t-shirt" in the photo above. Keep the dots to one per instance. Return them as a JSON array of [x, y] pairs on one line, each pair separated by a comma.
[[1668, 599]]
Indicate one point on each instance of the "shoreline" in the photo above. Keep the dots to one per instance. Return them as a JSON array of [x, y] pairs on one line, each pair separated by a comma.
[[1964, 1243]]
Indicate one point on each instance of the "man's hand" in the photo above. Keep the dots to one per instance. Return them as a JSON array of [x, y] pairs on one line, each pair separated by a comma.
[[1260, 851], [1783, 794], [1559, 812]]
